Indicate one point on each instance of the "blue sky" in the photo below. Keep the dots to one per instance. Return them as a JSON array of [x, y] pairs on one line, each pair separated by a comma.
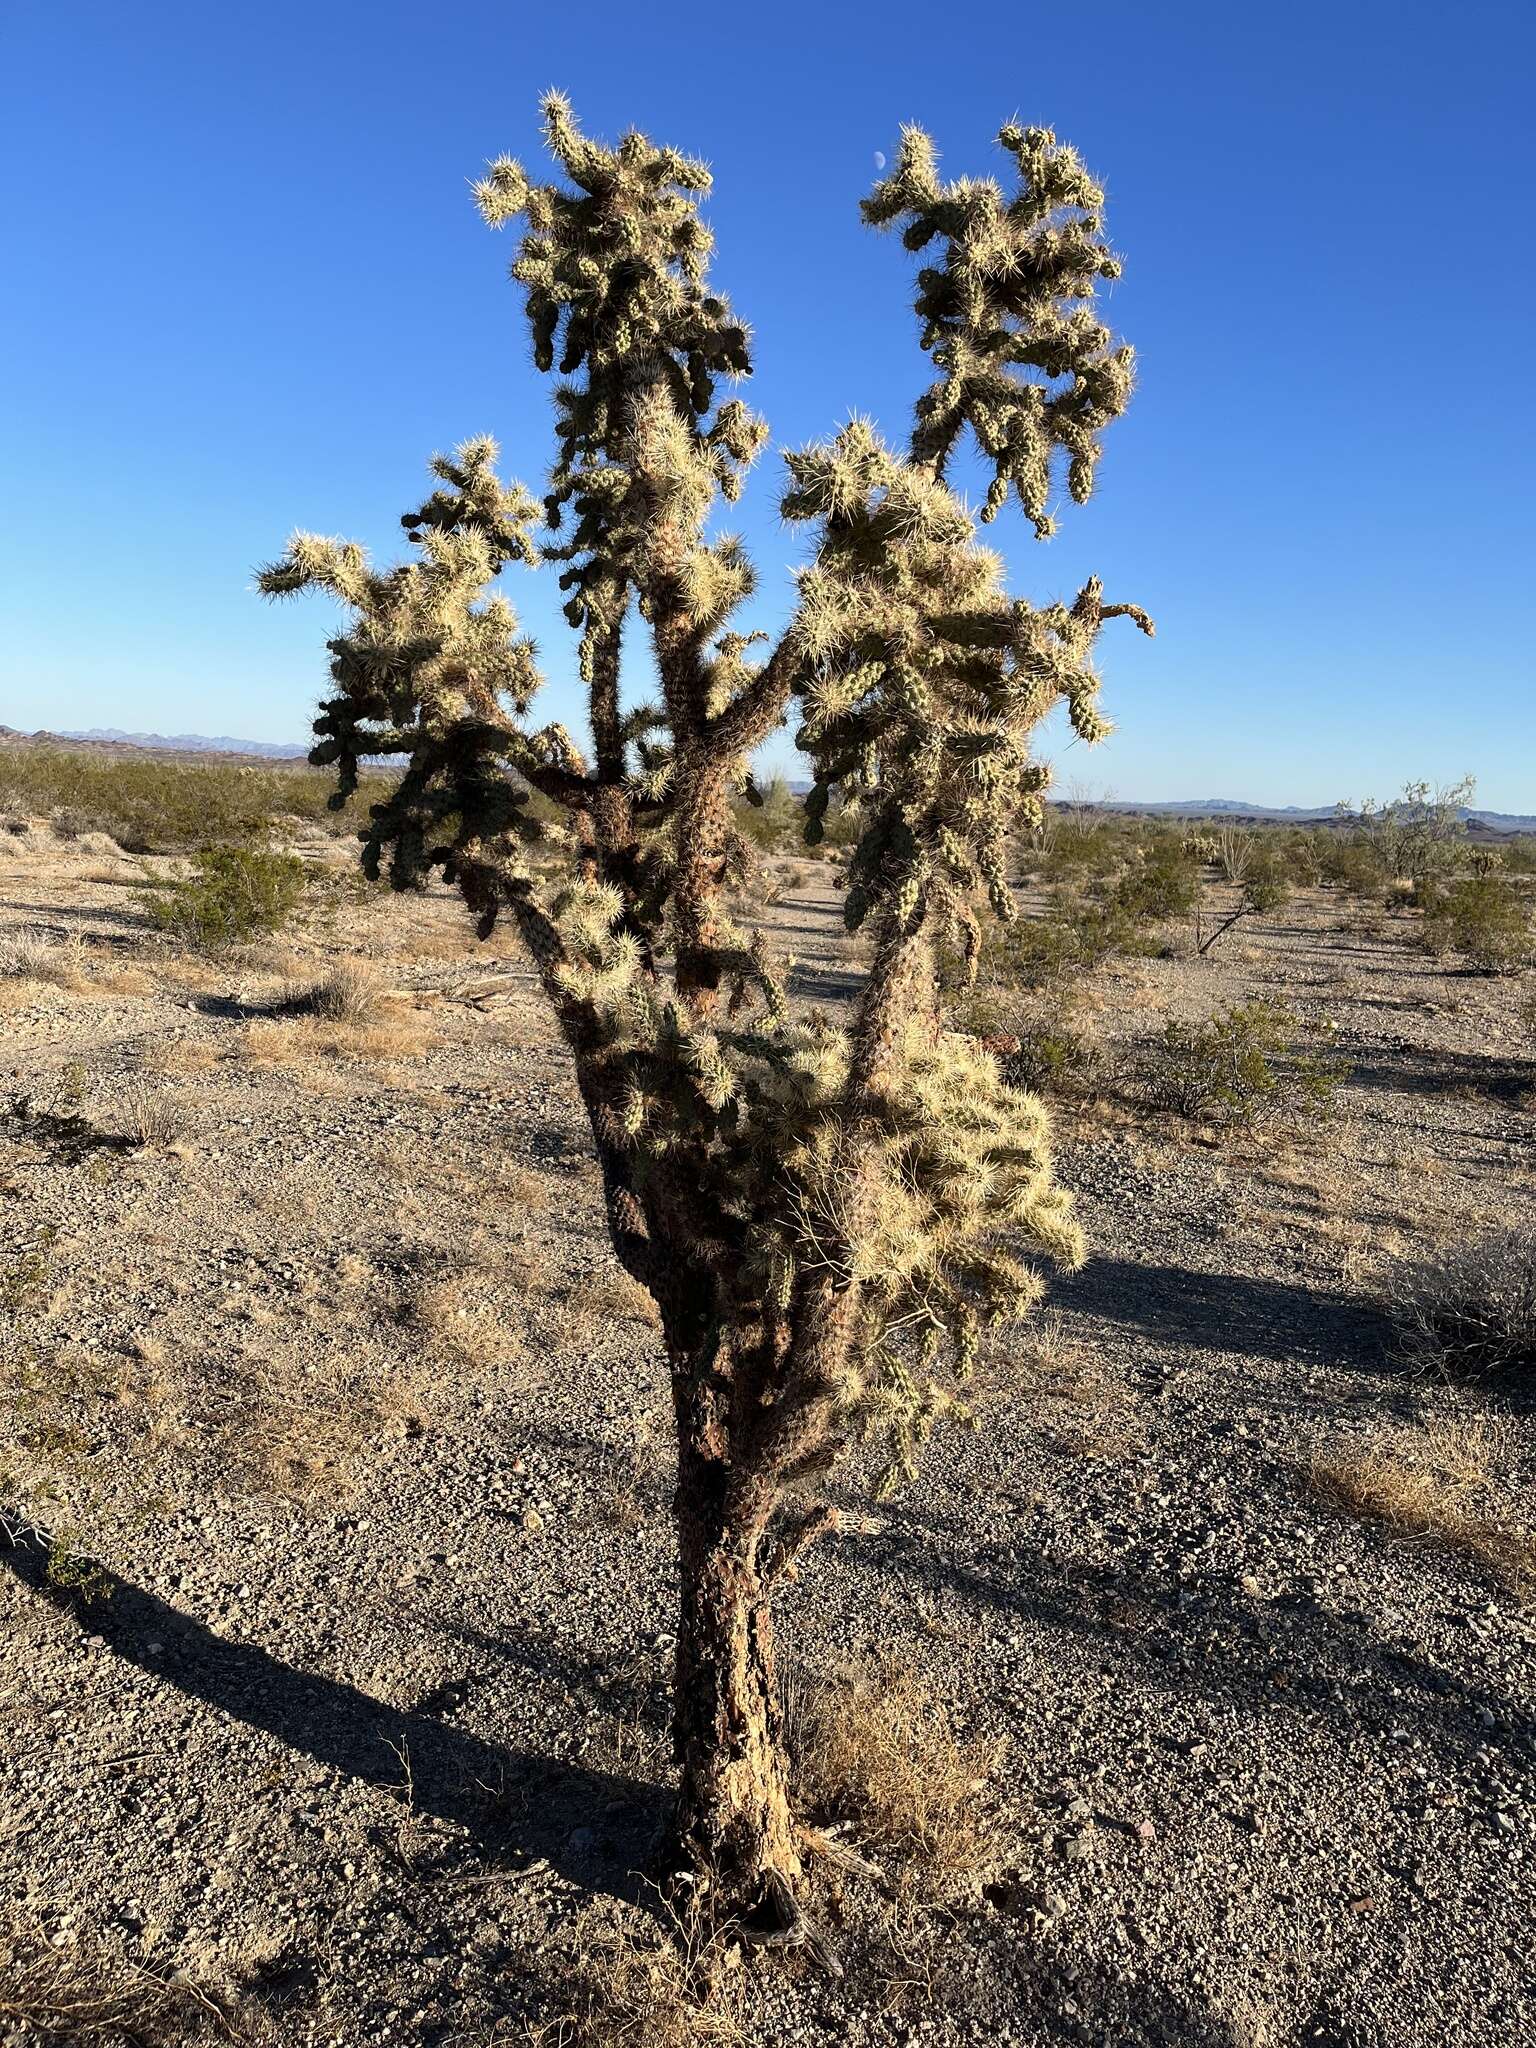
[[247, 290]]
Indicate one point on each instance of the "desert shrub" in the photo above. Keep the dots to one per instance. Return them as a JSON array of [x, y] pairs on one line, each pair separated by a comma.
[[1519, 856], [1161, 886], [1241, 1066], [774, 823], [1052, 1055], [1352, 865], [1037, 952], [1077, 850], [1058, 1058], [153, 805], [233, 893], [1483, 918], [1471, 1310], [1420, 832], [1298, 857]]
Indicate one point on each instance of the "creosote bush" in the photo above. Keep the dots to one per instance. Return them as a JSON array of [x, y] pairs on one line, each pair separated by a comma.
[[827, 1214], [234, 893], [1242, 1066], [1485, 919]]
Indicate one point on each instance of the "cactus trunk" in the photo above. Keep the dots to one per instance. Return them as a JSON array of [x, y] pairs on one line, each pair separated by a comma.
[[734, 1833]]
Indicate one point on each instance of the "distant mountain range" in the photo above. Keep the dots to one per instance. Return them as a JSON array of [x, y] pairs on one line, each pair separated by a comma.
[[1231, 808], [193, 743], [1292, 814]]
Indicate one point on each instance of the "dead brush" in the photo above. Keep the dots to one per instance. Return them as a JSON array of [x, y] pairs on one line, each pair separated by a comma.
[[1434, 1484], [872, 1745], [622, 1989], [1470, 1311], [66, 1998]]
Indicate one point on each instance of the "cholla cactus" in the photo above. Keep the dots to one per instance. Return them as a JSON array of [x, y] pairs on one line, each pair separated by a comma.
[[827, 1215]]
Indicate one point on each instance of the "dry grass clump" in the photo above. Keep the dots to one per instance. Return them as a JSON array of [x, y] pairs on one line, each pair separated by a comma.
[[621, 1989], [353, 992], [631, 1476], [620, 1295], [178, 1056], [1435, 1484], [872, 1745], [456, 1323], [390, 1034], [1470, 1312], [31, 953], [306, 1442]]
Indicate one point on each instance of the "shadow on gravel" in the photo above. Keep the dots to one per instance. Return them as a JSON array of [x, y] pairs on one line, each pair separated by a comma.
[[1233, 1313], [1415, 1070], [592, 1826], [1216, 1643]]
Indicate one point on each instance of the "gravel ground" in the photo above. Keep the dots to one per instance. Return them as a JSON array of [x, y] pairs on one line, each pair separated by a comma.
[[367, 1437]]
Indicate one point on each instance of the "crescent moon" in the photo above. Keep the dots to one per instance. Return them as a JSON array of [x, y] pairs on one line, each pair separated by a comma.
[[879, 159]]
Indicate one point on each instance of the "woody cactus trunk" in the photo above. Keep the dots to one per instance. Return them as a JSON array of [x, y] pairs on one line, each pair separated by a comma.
[[827, 1212]]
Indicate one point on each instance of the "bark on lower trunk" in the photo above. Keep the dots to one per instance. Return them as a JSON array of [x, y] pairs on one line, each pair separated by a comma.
[[735, 1833]]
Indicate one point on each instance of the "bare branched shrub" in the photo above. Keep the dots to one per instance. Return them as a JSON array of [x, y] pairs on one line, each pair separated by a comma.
[[1471, 1311], [873, 1745], [145, 1117]]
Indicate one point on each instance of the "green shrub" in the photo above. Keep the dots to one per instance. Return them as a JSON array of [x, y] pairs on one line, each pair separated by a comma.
[[1352, 865], [1161, 886], [1056, 1058], [1241, 1066], [775, 823], [1298, 856], [150, 804], [1485, 919], [234, 893]]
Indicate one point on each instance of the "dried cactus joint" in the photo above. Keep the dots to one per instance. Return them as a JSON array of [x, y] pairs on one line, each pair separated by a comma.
[[827, 1217]]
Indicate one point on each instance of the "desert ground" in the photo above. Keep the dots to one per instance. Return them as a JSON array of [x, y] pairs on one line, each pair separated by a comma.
[[337, 1586]]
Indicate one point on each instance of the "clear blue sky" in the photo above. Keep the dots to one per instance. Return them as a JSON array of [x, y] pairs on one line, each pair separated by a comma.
[[246, 290]]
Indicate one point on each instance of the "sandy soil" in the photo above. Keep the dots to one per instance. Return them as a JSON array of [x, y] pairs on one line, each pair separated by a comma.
[[322, 1377]]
